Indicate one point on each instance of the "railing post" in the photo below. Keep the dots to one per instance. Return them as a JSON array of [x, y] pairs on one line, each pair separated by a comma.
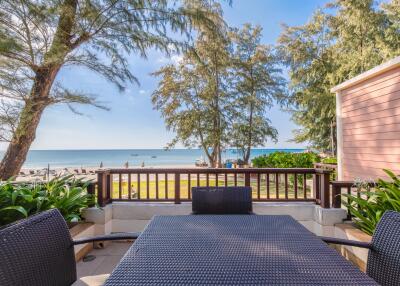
[[316, 186], [177, 188], [101, 188], [324, 188], [109, 185], [91, 190], [336, 196], [247, 179]]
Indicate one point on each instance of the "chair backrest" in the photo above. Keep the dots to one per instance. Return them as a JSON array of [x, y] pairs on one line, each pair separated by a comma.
[[221, 200], [37, 251], [384, 258]]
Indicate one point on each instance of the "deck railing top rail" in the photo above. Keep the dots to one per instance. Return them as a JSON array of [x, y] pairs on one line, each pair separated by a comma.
[[175, 184], [325, 165], [150, 170]]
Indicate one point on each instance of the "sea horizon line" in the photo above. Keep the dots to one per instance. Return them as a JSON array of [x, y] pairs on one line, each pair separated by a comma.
[[165, 149]]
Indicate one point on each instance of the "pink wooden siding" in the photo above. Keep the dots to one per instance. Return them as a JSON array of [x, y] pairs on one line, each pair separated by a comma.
[[371, 126]]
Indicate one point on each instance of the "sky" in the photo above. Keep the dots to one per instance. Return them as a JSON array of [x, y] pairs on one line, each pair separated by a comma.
[[131, 121]]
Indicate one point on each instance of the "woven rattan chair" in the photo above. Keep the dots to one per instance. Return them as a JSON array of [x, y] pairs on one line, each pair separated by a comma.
[[383, 263], [221, 200], [40, 251]]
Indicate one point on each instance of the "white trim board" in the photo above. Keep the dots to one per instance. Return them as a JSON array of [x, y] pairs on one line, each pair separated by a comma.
[[393, 63]]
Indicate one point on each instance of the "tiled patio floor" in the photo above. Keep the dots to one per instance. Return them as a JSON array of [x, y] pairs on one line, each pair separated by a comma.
[[106, 259]]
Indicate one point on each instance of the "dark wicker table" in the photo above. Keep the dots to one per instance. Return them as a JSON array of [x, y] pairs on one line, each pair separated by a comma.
[[232, 250]]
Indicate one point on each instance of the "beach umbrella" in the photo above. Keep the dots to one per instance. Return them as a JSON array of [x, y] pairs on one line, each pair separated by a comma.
[[101, 164]]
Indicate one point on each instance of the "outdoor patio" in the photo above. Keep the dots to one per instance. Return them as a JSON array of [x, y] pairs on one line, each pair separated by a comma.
[[221, 228], [105, 261], [252, 144]]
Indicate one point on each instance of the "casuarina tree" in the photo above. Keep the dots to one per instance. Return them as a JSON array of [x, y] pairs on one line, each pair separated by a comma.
[[40, 37], [339, 42], [192, 96], [256, 84]]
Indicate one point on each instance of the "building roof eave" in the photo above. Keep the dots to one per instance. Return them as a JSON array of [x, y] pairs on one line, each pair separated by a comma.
[[393, 63]]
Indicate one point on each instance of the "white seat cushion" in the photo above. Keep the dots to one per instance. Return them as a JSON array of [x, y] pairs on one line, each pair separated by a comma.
[[95, 280]]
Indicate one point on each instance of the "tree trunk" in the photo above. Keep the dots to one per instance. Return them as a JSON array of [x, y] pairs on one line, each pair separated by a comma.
[[246, 155], [210, 158], [39, 98], [19, 146], [29, 119], [219, 160]]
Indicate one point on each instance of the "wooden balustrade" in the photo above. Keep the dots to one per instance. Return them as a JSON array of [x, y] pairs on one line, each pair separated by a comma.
[[349, 188], [328, 166], [174, 185]]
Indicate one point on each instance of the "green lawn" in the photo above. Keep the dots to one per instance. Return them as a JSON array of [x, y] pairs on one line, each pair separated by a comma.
[[184, 184]]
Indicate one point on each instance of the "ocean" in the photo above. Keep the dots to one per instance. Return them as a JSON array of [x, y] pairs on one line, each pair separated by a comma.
[[135, 157]]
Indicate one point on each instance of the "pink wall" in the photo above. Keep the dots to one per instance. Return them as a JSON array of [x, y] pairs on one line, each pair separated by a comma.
[[370, 126]]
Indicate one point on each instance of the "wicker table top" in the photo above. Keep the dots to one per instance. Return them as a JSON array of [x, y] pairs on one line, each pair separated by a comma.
[[232, 250]]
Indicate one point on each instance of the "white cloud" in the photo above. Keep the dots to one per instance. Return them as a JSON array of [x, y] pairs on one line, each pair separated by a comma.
[[142, 91], [162, 60], [171, 47], [175, 59]]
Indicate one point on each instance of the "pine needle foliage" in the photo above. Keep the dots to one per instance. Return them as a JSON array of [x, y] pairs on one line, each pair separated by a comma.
[[38, 38], [342, 40]]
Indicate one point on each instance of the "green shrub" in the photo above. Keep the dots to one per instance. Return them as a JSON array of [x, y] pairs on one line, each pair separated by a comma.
[[329, 160], [281, 159], [368, 208], [20, 200]]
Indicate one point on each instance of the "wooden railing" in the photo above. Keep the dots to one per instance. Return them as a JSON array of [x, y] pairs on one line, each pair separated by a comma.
[[327, 166], [346, 187], [174, 185]]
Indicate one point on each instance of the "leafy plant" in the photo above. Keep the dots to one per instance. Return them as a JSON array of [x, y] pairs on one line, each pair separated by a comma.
[[281, 159], [329, 160], [20, 200], [368, 206]]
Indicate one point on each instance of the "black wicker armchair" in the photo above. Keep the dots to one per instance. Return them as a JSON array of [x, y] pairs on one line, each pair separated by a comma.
[[383, 263], [39, 251], [221, 200]]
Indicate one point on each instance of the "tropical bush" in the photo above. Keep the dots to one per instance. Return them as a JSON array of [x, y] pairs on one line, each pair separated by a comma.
[[281, 159], [20, 200], [368, 207], [329, 160]]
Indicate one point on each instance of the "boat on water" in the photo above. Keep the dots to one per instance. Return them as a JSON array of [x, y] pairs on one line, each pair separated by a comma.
[[153, 157], [134, 155]]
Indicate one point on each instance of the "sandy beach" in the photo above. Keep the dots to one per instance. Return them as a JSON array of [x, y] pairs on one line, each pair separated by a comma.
[[40, 174]]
